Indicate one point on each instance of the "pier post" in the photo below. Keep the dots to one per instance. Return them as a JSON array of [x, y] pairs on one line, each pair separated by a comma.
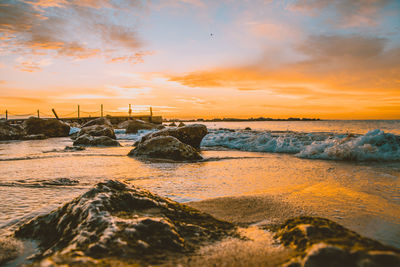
[[151, 112], [78, 111], [55, 114], [130, 111], [102, 110], [38, 114], [6, 114]]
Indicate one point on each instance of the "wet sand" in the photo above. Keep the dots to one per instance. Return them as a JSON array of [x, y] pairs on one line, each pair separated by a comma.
[[245, 210]]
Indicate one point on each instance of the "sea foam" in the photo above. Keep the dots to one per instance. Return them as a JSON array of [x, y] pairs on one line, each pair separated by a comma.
[[374, 145]]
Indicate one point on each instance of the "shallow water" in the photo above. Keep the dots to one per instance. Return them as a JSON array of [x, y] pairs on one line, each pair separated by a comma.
[[364, 196]]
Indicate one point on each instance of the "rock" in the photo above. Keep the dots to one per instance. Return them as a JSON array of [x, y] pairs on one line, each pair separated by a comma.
[[10, 248], [48, 127], [133, 126], [98, 130], [191, 134], [10, 132], [247, 129], [172, 124], [321, 242], [322, 255], [34, 137], [114, 222], [88, 140], [165, 147], [74, 148], [98, 121], [181, 124]]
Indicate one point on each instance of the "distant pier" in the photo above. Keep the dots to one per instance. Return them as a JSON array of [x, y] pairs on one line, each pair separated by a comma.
[[114, 117]]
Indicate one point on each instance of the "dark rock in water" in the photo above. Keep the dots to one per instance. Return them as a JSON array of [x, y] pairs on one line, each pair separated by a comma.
[[88, 140], [10, 132], [115, 222], [48, 127], [321, 242], [133, 126], [74, 148], [247, 129], [34, 137], [165, 147], [181, 124], [98, 130], [98, 121], [173, 124], [191, 134], [61, 181]]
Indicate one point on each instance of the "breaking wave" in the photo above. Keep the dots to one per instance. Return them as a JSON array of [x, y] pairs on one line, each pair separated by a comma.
[[375, 145]]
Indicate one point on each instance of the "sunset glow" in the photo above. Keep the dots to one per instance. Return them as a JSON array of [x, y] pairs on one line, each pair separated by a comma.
[[202, 59]]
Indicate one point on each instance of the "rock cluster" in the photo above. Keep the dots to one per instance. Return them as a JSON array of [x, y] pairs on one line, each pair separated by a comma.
[[133, 126], [191, 134], [115, 221], [97, 132], [165, 147], [48, 127], [10, 132], [321, 242], [180, 144], [33, 129], [89, 140]]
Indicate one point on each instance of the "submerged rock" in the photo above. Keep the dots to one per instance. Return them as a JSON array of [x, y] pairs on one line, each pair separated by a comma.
[[34, 137], [48, 127], [10, 132], [191, 134], [321, 242], [133, 126], [98, 121], [74, 148], [115, 222], [97, 130], [165, 147], [88, 140], [181, 124]]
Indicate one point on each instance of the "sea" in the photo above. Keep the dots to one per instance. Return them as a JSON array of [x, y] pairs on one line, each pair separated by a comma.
[[347, 171]]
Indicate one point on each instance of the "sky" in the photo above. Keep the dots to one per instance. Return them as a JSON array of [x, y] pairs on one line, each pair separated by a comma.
[[328, 59]]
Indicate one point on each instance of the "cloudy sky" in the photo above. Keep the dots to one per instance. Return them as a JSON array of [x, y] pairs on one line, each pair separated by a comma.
[[203, 58]]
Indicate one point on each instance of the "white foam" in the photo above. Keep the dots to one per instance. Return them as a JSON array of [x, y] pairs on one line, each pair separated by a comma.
[[73, 130], [374, 145]]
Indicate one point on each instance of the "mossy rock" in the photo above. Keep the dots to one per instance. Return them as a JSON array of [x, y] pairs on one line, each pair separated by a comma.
[[115, 221], [322, 242]]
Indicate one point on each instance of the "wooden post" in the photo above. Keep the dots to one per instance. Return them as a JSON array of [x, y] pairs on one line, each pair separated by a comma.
[[38, 114], [151, 112], [102, 110], [6, 114], [55, 114], [130, 111], [78, 111]]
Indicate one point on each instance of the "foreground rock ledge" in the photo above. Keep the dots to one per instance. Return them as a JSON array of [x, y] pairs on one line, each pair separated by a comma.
[[321, 242], [114, 221]]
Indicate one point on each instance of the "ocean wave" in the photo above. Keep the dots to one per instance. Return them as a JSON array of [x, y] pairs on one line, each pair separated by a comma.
[[375, 145]]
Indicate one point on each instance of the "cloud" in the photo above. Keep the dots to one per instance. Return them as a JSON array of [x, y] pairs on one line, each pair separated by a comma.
[[75, 29], [340, 69], [29, 65], [354, 13]]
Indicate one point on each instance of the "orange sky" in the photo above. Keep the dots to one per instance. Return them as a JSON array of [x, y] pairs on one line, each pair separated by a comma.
[[196, 58]]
